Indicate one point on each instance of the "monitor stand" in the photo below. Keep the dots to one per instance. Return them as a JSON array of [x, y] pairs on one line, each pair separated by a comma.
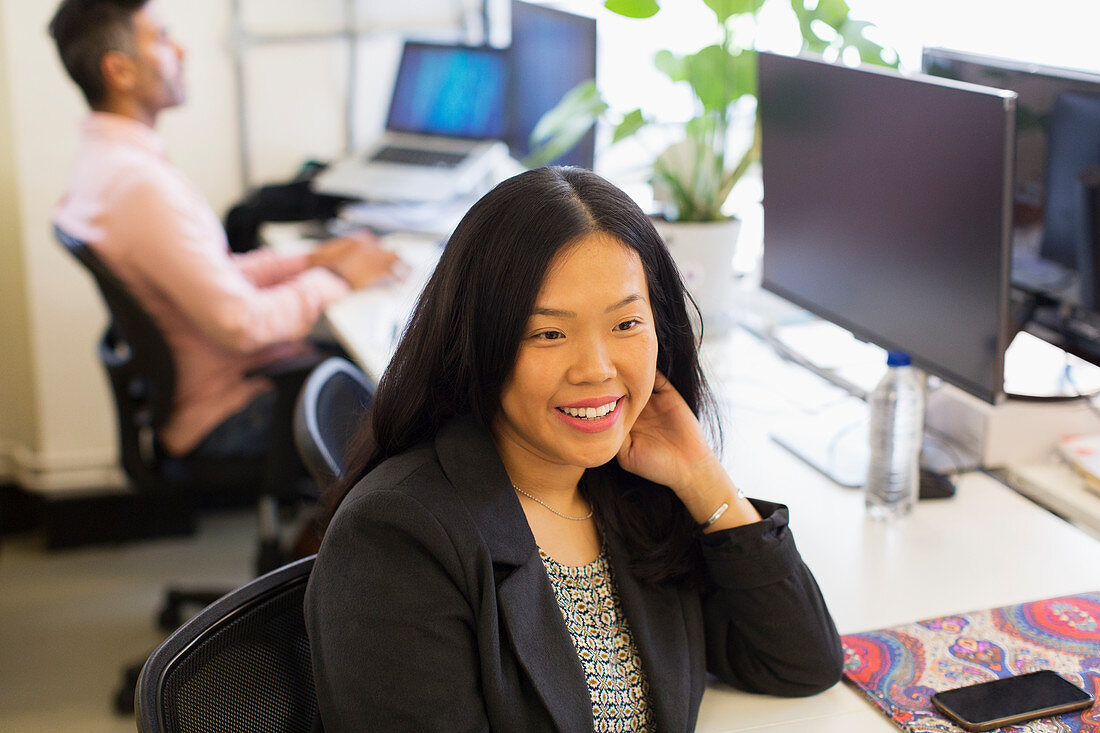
[[842, 453], [834, 440]]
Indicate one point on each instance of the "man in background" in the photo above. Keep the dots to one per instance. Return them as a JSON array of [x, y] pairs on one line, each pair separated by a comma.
[[221, 314]]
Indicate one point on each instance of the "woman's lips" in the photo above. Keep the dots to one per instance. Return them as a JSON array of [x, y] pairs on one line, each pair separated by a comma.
[[591, 424]]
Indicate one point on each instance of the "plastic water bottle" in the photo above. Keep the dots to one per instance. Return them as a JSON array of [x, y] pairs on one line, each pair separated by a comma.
[[897, 427]]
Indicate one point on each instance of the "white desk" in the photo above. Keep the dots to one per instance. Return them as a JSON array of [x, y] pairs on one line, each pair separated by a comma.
[[368, 322], [986, 547]]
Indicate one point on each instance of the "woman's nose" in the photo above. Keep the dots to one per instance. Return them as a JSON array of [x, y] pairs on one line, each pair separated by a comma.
[[592, 363]]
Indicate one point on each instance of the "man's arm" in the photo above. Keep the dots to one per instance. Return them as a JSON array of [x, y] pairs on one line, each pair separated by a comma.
[[358, 258], [184, 257]]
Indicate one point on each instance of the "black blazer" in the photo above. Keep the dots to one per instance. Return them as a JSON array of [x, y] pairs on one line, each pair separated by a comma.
[[429, 609]]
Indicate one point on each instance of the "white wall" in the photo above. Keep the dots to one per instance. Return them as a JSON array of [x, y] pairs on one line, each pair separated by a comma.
[[57, 429], [16, 396], [72, 432]]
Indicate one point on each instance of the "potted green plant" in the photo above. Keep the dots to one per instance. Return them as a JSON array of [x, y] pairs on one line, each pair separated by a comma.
[[693, 177]]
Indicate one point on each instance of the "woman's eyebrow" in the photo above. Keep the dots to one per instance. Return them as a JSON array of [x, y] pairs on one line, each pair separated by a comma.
[[558, 313]]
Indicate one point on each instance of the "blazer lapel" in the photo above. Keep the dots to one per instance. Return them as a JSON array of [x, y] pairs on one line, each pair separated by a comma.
[[529, 611], [656, 617], [525, 600]]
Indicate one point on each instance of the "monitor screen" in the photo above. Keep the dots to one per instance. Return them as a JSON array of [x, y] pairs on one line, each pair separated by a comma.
[[552, 51], [455, 91], [1053, 105], [887, 210]]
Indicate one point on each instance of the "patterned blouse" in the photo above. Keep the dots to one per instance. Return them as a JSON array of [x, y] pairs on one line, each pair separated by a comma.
[[589, 602]]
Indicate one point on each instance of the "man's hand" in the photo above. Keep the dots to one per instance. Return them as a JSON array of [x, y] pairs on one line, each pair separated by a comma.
[[358, 258]]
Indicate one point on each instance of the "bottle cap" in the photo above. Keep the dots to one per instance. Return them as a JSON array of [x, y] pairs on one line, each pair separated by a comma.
[[897, 359]]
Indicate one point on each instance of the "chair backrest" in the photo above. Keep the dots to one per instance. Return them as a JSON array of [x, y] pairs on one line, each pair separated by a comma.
[[139, 364], [332, 407], [242, 664]]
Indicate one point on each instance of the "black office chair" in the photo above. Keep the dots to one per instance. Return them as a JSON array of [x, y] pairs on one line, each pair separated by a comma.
[[332, 407], [142, 375], [241, 664]]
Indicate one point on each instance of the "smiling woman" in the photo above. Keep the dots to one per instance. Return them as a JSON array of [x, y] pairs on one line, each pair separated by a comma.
[[539, 536]]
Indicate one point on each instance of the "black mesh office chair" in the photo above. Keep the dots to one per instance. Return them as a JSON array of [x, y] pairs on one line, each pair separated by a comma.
[[241, 665], [142, 375], [332, 407]]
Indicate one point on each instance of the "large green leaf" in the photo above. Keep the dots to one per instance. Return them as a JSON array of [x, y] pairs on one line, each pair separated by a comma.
[[671, 64], [726, 9], [633, 8], [719, 78], [582, 101], [562, 127], [833, 12], [849, 32], [630, 124]]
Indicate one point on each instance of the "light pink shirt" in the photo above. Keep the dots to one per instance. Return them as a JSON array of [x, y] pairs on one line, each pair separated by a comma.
[[221, 314]]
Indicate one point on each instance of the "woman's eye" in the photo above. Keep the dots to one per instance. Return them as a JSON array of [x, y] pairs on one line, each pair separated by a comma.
[[627, 325], [550, 335]]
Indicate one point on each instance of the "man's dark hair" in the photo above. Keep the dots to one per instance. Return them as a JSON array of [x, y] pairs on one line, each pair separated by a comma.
[[461, 344], [84, 31]]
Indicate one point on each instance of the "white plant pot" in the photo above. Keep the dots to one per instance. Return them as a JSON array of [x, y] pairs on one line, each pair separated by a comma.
[[704, 253]]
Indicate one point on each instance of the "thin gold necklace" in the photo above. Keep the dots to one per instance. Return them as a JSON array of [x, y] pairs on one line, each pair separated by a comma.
[[563, 516]]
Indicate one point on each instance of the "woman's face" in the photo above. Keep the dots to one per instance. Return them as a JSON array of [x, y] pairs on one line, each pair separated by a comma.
[[586, 360]]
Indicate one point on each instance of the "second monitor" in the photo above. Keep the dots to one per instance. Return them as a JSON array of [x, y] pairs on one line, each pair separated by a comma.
[[887, 210]]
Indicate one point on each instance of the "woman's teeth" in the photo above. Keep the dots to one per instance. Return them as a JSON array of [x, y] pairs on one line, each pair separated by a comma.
[[589, 413]]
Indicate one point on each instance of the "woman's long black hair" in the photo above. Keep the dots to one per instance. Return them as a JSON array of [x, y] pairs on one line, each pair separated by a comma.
[[463, 336]]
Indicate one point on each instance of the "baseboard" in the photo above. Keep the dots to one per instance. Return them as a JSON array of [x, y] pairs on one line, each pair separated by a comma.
[[94, 518], [75, 521], [19, 511], [56, 474]]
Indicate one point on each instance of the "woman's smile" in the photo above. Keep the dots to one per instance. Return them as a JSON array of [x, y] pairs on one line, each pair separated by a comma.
[[587, 418]]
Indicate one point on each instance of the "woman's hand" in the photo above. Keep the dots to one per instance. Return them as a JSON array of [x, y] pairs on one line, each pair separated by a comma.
[[666, 443], [667, 446]]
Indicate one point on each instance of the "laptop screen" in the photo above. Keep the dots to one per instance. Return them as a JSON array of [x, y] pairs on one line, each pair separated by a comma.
[[454, 91]]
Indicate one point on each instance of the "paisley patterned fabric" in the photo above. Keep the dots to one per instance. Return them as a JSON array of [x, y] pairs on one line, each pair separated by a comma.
[[589, 602], [898, 669]]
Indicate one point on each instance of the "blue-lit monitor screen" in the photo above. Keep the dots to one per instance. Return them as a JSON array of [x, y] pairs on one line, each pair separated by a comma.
[[552, 51], [455, 91]]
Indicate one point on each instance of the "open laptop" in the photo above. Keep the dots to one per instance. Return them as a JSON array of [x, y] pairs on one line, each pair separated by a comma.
[[443, 134]]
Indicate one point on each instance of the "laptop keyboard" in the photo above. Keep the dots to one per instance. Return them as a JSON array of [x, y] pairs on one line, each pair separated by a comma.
[[417, 156]]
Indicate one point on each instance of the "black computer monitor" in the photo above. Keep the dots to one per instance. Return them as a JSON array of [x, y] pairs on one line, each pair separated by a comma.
[[887, 210], [552, 51], [1056, 267], [1046, 186]]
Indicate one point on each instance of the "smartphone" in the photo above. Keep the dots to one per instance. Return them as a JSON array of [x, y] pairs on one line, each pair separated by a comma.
[[1010, 700]]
